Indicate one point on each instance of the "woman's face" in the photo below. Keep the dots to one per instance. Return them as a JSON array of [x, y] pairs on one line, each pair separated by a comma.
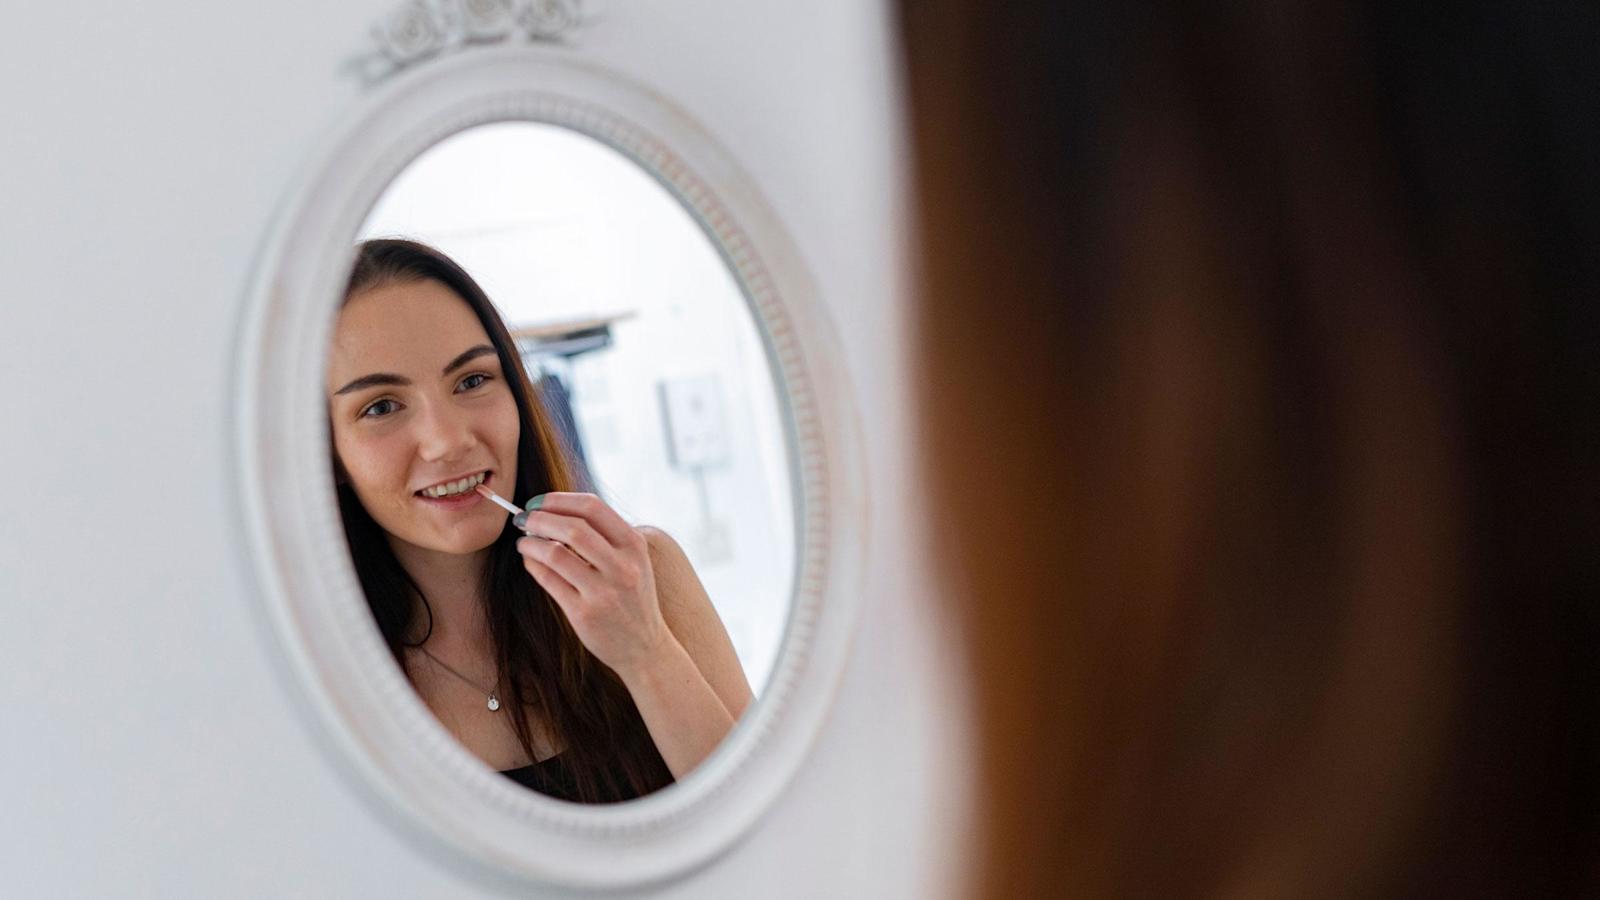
[[418, 404]]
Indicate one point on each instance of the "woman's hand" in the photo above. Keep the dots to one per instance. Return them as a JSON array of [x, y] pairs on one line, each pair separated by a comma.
[[597, 567], [603, 574]]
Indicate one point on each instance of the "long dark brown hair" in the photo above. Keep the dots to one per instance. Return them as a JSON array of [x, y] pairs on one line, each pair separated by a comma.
[[545, 667], [1260, 356]]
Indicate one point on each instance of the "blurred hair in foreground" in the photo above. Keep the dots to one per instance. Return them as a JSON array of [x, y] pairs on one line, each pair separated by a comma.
[[1260, 359]]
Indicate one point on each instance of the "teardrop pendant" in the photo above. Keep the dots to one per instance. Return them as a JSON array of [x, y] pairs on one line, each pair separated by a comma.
[[494, 703]]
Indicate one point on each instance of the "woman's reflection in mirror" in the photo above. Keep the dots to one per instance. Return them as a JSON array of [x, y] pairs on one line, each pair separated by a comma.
[[573, 652]]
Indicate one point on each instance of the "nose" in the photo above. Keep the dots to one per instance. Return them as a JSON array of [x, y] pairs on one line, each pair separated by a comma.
[[444, 433]]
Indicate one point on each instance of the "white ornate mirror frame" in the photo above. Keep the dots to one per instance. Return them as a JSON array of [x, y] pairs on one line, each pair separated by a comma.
[[375, 726]]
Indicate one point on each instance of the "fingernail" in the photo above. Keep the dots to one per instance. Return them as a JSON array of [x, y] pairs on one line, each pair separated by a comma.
[[535, 503], [520, 520]]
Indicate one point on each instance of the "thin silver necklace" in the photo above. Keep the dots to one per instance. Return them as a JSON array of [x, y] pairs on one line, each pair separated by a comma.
[[494, 702]]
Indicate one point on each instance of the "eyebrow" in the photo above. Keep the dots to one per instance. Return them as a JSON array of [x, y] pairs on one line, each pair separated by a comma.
[[388, 378]]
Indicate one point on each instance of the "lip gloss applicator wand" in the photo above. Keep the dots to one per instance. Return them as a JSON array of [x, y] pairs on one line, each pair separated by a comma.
[[498, 500]]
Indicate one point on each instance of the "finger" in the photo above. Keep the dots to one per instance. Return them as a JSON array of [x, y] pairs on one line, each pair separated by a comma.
[[558, 587], [578, 575], [577, 534], [600, 516]]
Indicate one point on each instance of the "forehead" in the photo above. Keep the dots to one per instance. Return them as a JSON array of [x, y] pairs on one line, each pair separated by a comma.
[[411, 328]]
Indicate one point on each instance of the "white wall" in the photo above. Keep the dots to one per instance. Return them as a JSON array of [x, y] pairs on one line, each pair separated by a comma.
[[152, 746]]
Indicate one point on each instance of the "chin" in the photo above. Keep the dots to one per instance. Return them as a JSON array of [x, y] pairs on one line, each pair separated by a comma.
[[465, 544], [460, 543]]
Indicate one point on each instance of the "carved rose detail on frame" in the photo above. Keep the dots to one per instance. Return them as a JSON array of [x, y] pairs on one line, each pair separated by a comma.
[[547, 18], [422, 29], [412, 32], [487, 20]]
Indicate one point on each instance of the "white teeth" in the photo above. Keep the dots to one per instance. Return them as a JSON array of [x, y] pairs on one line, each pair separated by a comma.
[[456, 487]]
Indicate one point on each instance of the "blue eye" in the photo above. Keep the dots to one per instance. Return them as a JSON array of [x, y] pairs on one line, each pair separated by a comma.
[[466, 386], [371, 411]]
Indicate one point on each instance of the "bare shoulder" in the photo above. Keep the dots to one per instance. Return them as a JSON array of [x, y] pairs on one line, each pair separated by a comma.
[[684, 601], [693, 620], [664, 550]]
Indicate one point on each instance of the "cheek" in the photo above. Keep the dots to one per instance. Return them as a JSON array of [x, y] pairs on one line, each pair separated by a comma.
[[507, 430], [373, 463]]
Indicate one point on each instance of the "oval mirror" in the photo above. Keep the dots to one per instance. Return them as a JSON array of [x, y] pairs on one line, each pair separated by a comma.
[[681, 410]]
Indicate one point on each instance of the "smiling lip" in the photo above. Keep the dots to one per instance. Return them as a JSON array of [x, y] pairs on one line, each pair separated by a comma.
[[456, 501]]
